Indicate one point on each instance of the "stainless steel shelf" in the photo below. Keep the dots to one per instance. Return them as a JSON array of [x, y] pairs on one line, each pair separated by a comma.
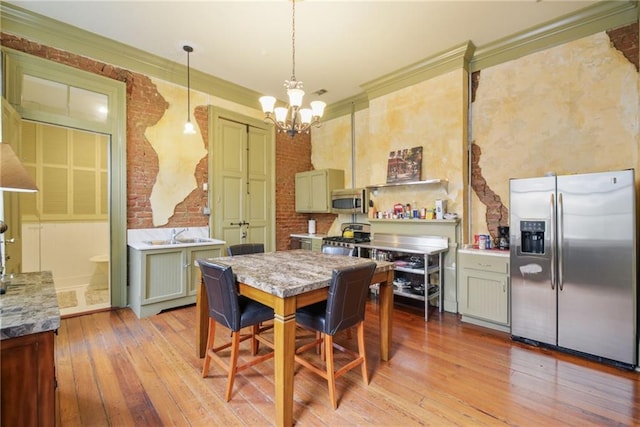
[[442, 182]]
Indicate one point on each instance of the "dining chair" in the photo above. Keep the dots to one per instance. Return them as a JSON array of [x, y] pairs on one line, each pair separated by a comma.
[[245, 249], [228, 308], [344, 308]]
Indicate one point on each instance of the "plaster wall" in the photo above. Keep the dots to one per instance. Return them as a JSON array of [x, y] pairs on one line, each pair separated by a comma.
[[569, 109], [430, 114]]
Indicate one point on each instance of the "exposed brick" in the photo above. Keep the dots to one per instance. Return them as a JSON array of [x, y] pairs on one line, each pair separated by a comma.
[[625, 39]]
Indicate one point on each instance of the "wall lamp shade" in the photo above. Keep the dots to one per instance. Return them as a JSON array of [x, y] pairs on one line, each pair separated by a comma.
[[13, 175]]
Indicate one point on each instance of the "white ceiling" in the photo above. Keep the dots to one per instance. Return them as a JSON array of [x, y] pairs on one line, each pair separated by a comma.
[[340, 44]]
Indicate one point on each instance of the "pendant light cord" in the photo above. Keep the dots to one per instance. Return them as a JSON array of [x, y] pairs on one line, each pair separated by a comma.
[[188, 86]]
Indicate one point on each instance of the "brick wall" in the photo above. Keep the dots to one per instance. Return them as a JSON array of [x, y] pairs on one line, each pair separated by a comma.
[[625, 39], [293, 155]]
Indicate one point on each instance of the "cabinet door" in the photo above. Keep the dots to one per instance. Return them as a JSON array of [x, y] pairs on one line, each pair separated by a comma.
[[318, 190], [194, 270], [164, 276], [484, 295], [303, 192], [313, 189], [28, 380]]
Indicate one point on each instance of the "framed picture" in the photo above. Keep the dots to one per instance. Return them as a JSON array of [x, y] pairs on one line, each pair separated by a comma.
[[404, 165]]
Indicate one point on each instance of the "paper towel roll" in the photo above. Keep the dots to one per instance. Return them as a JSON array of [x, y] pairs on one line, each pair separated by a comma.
[[312, 226]]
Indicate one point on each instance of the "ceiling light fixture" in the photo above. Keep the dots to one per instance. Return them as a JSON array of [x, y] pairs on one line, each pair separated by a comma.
[[189, 129], [293, 119]]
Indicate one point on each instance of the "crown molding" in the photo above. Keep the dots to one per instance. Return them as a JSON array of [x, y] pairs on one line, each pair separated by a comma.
[[599, 17], [453, 59], [49, 32], [346, 106]]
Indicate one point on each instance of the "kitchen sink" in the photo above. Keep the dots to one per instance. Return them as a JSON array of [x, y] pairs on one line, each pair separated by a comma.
[[185, 241]]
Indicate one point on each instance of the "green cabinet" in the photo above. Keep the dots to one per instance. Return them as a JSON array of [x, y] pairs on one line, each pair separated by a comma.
[[313, 189], [484, 288], [165, 278]]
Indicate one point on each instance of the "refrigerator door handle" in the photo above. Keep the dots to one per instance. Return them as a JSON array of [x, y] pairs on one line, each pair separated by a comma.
[[560, 239], [552, 239]]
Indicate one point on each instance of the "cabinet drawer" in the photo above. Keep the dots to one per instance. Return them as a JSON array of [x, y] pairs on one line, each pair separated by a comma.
[[490, 263]]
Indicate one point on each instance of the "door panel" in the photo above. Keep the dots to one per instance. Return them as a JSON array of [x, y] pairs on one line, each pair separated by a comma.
[[257, 203], [233, 138], [596, 300], [533, 298]]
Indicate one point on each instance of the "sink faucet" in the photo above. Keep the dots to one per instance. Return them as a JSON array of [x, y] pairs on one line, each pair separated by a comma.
[[175, 234]]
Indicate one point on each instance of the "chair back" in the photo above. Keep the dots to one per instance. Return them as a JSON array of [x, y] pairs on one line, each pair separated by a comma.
[[245, 249], [222, 293], [337, 250], [347, 297]]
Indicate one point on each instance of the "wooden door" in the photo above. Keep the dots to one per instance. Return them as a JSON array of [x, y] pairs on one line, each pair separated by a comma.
[[242, 183]]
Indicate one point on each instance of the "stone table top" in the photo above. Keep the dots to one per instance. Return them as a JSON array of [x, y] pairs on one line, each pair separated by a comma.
[[29, 306], [288, 273]]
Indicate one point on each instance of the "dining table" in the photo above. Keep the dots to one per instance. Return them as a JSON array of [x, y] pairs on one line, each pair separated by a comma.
[[285, 281]]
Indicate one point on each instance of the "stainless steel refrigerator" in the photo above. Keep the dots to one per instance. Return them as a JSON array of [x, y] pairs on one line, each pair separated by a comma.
[[573, 264]]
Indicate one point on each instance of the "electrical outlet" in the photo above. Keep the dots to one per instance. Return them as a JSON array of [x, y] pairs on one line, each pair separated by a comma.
[[206, 210]]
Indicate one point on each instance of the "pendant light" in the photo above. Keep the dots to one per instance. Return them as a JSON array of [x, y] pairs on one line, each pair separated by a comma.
[[189, 129]]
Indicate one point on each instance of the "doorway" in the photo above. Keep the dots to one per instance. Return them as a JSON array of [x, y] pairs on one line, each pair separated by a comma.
[[91, 106], [65, 225]]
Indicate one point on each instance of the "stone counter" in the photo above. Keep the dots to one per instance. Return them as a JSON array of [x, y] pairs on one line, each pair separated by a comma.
[[297, 271], [29, 306]]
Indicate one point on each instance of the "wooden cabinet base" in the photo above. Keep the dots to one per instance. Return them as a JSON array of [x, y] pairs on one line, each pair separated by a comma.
[[28, 380]]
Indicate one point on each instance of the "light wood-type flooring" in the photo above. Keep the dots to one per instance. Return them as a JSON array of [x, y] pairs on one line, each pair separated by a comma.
[[116, 370]]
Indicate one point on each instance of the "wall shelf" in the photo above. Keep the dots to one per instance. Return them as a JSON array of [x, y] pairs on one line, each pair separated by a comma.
[[442, 182]]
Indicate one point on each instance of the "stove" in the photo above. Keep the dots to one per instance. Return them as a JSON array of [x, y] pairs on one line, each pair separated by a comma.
[[361, 234]]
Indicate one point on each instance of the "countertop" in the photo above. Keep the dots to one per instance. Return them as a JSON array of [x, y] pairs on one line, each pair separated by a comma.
[[491, 252], [29, 306], [308, 236], [159, 238], [403, 247], [297, 271]]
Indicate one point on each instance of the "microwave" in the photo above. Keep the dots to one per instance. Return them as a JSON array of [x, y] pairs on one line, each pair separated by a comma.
[[350, 201]]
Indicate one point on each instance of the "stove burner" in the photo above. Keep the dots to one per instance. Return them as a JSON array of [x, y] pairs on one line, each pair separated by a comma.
[[340, 239], [361, 234]]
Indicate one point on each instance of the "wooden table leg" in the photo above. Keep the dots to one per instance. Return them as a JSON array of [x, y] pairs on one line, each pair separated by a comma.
[[284, 341], [202, 320], [386, 315]]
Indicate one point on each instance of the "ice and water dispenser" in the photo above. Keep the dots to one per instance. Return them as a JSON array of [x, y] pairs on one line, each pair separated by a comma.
[[532, 237]]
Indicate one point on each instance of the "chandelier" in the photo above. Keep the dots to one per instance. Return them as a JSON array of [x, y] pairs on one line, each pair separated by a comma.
[[293, 119]]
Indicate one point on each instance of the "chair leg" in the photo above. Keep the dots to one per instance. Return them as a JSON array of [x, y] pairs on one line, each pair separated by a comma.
[[349, 333], [210, 339], [331, 378], [319, 345], [361, 352], [255, 329], [233, 363]]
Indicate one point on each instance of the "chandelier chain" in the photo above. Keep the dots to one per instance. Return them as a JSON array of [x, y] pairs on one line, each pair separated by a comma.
[[293, 42]]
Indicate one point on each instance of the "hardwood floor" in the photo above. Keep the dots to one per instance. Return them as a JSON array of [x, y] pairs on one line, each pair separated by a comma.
[[113, 369]]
